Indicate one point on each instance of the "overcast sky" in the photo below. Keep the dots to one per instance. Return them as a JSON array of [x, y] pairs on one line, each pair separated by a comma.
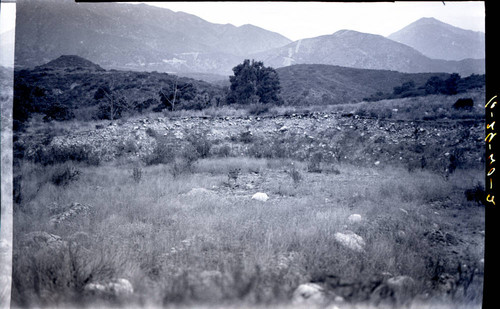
[[298, 20]]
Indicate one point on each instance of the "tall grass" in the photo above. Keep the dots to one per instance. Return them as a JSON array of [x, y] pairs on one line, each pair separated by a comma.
[[179, 244]]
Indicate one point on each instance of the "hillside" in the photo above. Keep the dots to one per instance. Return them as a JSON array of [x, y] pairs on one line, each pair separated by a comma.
[[70, 62], [133, 37], [73, 87], [439, 40], [306, 84], [366, 51]]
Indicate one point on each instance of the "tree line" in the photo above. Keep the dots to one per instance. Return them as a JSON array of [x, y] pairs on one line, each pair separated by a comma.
[[454, 84], [112, 95]]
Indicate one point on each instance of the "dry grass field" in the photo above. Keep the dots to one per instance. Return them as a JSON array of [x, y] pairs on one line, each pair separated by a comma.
[[193, 235]]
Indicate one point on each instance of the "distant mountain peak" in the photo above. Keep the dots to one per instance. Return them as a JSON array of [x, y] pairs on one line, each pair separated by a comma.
[[71, 61], [439, 40], [429, 20]]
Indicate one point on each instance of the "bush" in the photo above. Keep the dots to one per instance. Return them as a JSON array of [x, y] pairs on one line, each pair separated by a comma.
[[314, 165], [57, 154], [163, 153], [137, 174], [64, 174], [200, 143], [476, 194]]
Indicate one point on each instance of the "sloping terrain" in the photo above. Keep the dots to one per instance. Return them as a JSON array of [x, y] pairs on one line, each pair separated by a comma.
[[136, 37], [439, 40], [308, 84], [366, 51]]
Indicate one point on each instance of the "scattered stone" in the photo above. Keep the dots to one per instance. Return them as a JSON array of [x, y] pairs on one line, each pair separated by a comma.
[[119, 287], [377, 162], [43, 240], [355, 218], [259, 196], [401, 283], [70, 212], [308, 293], [350, 240], [198, 192]]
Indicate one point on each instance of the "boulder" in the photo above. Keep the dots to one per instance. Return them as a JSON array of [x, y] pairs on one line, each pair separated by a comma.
[[75, 209], [354, 218], [308, 293], [119, 287], [259, 196], [464, 103], [43, 240], [350, 240], [198, 192]]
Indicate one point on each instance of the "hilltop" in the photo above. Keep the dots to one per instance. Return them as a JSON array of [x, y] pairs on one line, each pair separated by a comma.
[[439, 40], [70, 62]]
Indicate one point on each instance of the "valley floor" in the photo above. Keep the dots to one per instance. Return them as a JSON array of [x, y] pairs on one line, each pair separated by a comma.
[[328, 209], [199, 238]]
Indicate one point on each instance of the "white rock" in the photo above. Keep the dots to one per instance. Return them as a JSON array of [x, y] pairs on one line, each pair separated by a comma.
[[119, 287], [259, 196], [377, 163], [308, 293], [350, 240], [198, 192], [355, 218]]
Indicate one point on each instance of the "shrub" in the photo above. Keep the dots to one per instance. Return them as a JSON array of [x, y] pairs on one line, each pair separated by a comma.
[[163, 152], [60, 154], [476, 194], [200, 143], [137, 174], [64, 174], [314, 165], [295, 175]]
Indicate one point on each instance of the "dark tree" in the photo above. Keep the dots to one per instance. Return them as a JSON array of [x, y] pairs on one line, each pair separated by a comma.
[[253, 83], [173, 94], [405, 87], [435, 85], [59, 112], [451, 84], [112, 106]]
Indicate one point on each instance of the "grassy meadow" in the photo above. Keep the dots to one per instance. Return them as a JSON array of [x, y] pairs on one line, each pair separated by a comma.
[[196, 237]]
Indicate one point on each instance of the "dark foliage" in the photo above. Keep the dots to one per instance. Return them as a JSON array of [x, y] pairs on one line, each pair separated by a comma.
[[58, 94], [453, 84], [476, 194], [465, 103], [254, 83]]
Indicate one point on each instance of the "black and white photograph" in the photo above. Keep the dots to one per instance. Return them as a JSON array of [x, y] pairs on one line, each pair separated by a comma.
[[244, 154]]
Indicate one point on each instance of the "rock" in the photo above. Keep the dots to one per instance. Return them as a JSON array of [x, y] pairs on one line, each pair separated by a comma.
[[350, 240], [377, 162], [310, 293], [259, 196], [43, 240], [355, 218], [198, 192], [119, 287], [401, 283], [70, 212]]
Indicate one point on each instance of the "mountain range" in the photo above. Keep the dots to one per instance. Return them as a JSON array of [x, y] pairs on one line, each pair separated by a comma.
[[365, 51], [439, 40], [146, 38], [137, 37]]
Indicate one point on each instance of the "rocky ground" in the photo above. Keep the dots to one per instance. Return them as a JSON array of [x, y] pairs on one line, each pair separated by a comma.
[[341, 137], [450, 226]]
